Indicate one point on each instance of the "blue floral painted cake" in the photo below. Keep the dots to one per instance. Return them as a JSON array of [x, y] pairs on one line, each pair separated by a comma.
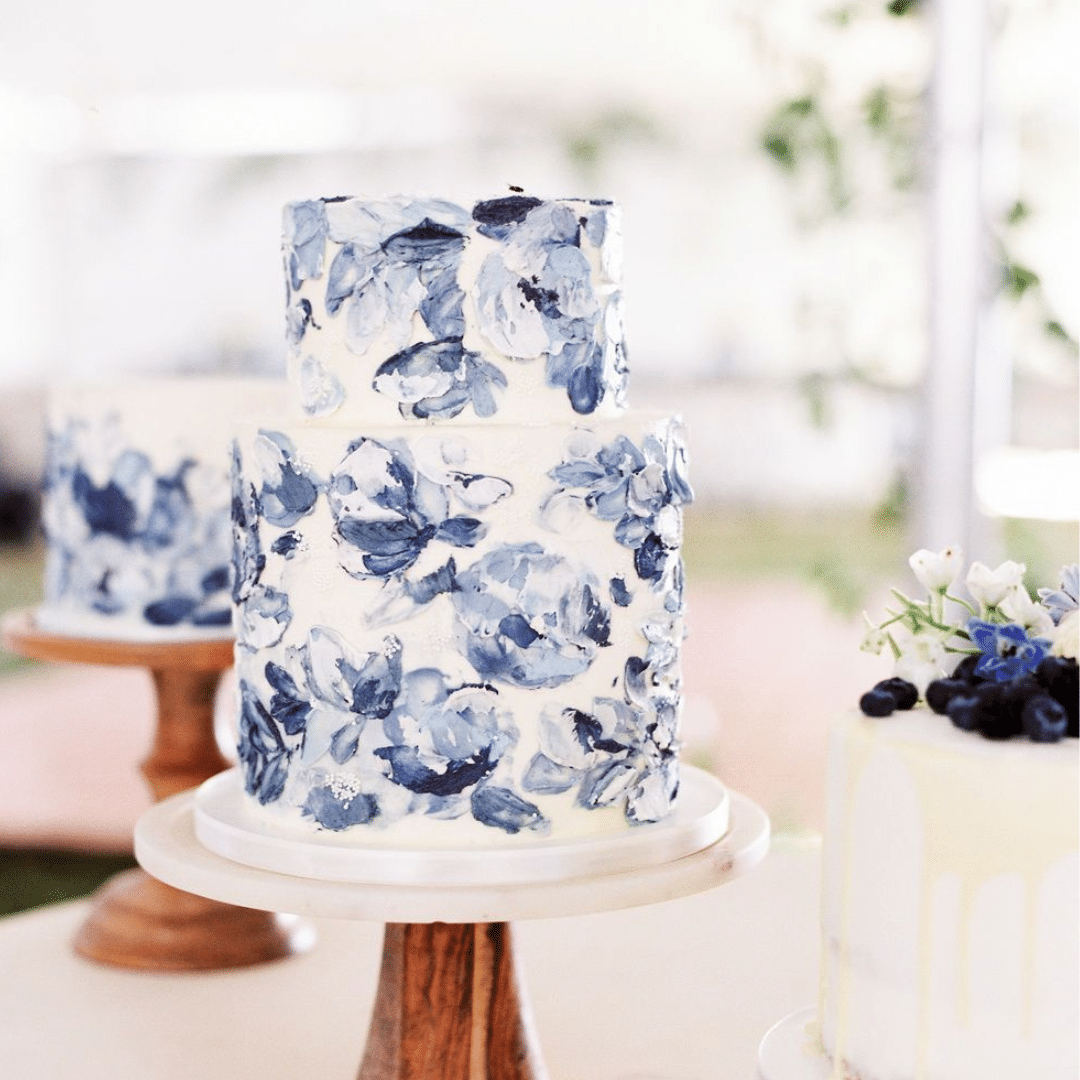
[[137, 507], [457, 568]]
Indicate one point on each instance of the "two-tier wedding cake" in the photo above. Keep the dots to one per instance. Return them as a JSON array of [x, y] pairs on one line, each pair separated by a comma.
[[458, 583]]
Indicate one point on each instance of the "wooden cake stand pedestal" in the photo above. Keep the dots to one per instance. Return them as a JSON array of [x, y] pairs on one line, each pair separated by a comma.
[[135, 920], [450, 1002]]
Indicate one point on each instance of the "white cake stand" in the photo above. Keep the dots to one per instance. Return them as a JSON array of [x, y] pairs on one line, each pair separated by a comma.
[[450, 1003], [791, 1051]]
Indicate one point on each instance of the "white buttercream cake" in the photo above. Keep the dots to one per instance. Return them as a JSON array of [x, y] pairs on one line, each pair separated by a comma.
[[951, 904], [458, 577], [136, 506]]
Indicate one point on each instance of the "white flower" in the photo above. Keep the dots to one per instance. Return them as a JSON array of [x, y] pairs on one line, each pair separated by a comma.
[[1066, 636], [990, 587], [874, 640], [1018, 607], [922, 660], [937, 570]]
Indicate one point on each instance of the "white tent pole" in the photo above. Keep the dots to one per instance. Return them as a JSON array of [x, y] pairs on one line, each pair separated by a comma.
[[959, 279]]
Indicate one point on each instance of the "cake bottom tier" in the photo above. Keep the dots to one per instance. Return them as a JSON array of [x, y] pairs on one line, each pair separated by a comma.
[[460, 636], [950, 906]]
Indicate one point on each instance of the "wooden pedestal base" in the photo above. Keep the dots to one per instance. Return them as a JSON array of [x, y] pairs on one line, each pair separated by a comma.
[[450, 1006], [136, 921]]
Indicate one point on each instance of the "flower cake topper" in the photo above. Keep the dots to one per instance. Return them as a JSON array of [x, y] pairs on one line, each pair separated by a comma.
[[995, 661]]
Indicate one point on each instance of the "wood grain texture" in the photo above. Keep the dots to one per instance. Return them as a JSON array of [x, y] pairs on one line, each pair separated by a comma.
[[450, 1006], [136, 921], [20, 634], [140, 923]]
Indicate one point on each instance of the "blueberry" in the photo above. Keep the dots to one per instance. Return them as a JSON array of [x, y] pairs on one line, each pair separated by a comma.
[[999, 710], [941, 691], [1061, 678], [1055, 671], [877, 703], [905, 693], [1044, 719], [965, 670], [965, 711]]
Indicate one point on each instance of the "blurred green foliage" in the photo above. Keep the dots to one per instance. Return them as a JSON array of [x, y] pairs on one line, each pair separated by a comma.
[[22, 575]]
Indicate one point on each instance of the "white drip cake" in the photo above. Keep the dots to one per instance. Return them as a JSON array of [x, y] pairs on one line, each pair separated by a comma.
[[951, 905], [136, 507], [458, 581]]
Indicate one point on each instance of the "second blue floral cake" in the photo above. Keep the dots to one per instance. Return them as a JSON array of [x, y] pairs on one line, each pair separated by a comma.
[[458, 584]]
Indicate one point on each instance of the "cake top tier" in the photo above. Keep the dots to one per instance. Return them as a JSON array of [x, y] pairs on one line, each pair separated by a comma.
[[419, 310]]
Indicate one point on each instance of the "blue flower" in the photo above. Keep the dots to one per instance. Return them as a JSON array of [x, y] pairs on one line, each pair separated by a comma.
[[535, 296], [362, 686], [339, 803], [446, 745], [305, 239], [1061, 601], [132, 541], [248, 560], [288, 493], [383, 281], [386, 511], [262, 617], [439, 378], [616, 753], [321, 391], [638, 488], [375, 743], [1007, 651], [528, 617], [262, 750]]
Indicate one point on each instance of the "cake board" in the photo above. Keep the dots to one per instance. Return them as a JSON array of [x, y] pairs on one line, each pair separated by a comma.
[[136, 921], [450, 1003], [791, 1050]]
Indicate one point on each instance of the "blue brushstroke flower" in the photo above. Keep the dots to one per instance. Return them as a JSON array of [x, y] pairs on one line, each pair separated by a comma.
[[529, 618], [305, 233], [340, 802], [321, 391], [439, 379], [386, 511], [355, 687], [619, 752], [446, 746], [409, 270], [535, 296], [248, 560], [128, 540], [319, 704], [262, 749], [1007, 651], [640, 488], [262, 617], [288, 492]]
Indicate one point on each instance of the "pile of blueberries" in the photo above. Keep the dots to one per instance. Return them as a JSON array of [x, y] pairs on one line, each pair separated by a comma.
[[1041, 705]]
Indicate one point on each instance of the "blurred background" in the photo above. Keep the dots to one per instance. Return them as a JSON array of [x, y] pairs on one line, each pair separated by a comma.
[[851, 264]]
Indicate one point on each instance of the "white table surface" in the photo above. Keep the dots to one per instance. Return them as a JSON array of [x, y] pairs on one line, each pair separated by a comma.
[[681, 990]]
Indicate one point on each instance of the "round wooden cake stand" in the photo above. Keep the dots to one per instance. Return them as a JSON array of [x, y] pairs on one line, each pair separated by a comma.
[[791, 1051], [135, 920], [450, 1002]]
